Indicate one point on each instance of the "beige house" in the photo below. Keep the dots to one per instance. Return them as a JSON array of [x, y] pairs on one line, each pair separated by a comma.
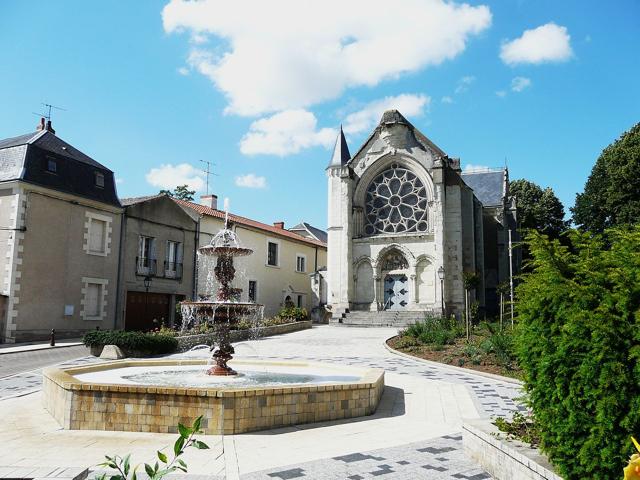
[[280, 268], [157, 270], [59, 239]]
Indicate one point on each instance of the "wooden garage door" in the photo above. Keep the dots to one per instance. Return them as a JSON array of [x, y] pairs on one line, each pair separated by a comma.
[[146, 311]]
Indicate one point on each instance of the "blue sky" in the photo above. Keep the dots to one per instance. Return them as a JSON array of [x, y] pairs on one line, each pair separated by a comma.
[[259, 88]]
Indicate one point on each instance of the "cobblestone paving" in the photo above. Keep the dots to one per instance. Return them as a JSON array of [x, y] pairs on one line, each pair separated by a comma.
[[439, 458], [492, 397]]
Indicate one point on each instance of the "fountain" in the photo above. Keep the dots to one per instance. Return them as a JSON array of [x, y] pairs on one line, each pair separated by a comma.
[[226, 310], [155, 395]]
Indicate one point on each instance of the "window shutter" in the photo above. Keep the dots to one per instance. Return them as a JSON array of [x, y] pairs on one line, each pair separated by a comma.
[[96, 236]]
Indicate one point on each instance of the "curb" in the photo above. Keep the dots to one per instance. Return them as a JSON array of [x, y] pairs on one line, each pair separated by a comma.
[[39, 348], [467, 371]]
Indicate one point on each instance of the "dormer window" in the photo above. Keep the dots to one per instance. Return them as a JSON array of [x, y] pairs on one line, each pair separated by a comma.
[[52, 165], [99, 179]]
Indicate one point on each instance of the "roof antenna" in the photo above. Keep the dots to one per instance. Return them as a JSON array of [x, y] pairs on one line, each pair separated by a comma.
[[48, 108], [208, 172]]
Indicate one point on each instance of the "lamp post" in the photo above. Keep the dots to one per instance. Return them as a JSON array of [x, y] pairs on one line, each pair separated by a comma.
[[441, 277], [147, 284]]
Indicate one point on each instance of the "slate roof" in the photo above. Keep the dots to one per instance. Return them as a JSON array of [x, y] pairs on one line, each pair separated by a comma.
[[488, 185], [313, 231], [341, 155], [133, 200], [281, 232], [25, 158]]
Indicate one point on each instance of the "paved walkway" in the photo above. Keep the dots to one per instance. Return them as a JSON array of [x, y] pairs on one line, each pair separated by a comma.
[[414, 433], [26, 360]]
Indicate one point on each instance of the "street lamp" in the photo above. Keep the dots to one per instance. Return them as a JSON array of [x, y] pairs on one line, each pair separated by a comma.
[[147, 284], [441, 277]]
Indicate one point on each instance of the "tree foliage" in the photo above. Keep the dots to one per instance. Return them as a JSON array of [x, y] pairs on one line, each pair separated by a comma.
[[578, 343], [611, 195], [181, 192], [538, 209]]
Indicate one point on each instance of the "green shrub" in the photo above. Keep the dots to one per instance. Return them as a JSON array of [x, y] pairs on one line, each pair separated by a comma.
[[132, 342], [292, 313], [433, 330], [578, 343], [500, 343]]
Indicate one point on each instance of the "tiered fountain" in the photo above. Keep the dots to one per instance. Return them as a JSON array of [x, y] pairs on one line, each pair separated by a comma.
[[155, 395], [225, 311]]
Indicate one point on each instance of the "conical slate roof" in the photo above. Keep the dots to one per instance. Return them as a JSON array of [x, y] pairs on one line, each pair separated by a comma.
[[341, 153]]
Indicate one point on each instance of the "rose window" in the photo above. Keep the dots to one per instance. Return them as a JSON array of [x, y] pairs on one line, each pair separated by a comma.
[[396, 202]]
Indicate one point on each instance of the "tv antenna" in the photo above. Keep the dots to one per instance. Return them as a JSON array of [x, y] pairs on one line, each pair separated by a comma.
[[208, 172], [48, 108]]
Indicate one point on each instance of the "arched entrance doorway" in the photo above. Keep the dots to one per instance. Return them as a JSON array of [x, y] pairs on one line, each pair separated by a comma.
[[394, 270]]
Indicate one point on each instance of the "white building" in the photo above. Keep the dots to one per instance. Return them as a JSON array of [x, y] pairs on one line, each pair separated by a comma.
[[401, 215]]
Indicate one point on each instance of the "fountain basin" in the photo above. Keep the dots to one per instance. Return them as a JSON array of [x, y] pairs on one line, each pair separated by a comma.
[[109, 396]]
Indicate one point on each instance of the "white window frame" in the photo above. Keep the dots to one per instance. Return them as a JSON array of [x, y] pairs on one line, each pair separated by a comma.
[[99, 175], [177, 257], [304, 257], [278, 253], [152, 254], [103, 282], [90, 217]]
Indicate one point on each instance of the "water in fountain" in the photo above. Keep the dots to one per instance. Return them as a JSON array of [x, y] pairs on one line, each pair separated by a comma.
[[226, 310]]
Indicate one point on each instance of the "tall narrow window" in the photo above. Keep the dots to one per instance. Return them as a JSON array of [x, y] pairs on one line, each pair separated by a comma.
[[93, 307], [173, 262], [300, 301], [272, 254], [146, 256], [253, 290], [52, 165], [301, 263], [97, 236]]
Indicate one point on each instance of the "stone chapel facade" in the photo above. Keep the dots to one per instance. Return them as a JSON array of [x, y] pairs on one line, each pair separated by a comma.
[[404, 223]]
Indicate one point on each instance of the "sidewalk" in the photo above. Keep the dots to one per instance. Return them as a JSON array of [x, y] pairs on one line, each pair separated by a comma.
[[6, 348]]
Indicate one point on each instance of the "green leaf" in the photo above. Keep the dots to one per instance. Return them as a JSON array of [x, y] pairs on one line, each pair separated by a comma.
[[177, 447], [162, 457], [181, 462], [184, 431], [126, 464], [149, 469], [200, 445], [196, 424]]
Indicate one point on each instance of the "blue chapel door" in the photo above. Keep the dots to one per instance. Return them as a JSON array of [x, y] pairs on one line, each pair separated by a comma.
[[396, 292]]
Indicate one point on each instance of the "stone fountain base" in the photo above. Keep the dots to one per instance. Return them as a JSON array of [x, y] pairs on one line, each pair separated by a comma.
[[78, 405]]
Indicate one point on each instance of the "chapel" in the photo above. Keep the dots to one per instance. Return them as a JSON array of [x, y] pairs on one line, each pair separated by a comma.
[[404, 225]]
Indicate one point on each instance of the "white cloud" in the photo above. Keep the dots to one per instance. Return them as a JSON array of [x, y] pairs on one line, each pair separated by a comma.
[[446, 99], [501, 93], [286, 55], [119, 181], [285, 133], [170, 176], [464, 83], [470, 168], [183, 71], [251, 180], [518, 84], [409, 105], [547, 43]]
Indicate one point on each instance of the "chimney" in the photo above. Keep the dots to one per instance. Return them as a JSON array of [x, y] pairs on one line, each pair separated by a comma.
[[210, 201], [279, 225], [40, 125], [49, 127]]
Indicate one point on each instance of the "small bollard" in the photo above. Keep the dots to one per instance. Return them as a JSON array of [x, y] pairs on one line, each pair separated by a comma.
[[52, 338]]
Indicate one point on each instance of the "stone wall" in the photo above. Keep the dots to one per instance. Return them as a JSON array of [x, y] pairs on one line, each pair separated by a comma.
[[140, 408], [502, 458], [187, 342]]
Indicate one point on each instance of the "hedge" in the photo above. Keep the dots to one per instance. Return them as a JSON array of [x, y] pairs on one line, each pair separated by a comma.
[[578, 343], [132, 342]]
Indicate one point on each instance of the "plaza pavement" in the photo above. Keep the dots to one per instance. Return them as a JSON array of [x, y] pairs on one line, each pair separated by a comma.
[[415, 433]]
